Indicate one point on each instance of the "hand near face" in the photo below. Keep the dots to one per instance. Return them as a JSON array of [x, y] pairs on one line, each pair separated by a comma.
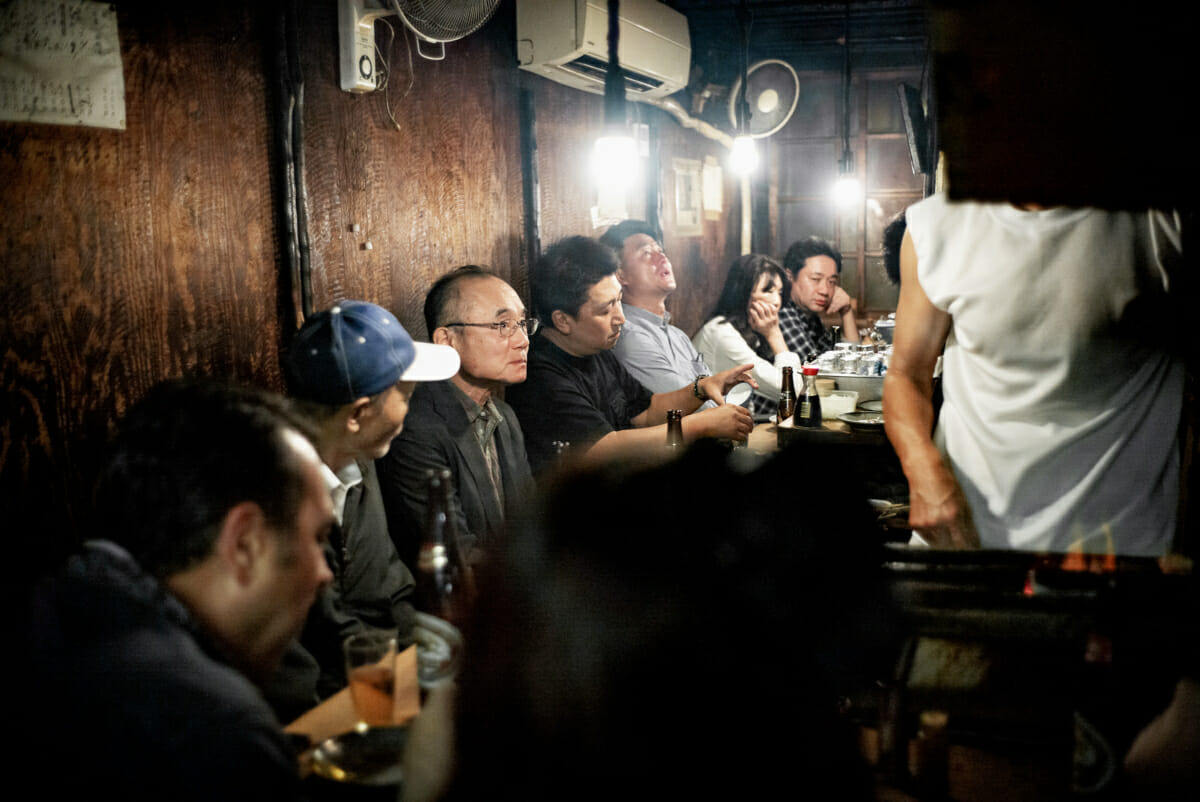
[[764, 318], [718, 385], [839, 304]]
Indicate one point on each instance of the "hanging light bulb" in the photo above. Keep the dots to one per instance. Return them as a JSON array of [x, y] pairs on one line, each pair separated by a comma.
[[614, 155], [744, 156], [614, 161], [847, 191]]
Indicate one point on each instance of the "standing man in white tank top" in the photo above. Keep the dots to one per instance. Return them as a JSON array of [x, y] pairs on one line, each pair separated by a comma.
[[1058, 429]]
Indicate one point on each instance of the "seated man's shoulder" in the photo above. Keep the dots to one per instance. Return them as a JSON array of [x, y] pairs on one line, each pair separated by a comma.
[[142, 680], [548, 367], [120, 642]]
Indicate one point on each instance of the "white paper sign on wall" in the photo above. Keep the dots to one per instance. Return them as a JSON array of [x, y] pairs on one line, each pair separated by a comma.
[[60, 63]]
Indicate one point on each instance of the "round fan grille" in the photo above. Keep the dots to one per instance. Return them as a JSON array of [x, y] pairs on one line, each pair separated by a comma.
[[445, 20], [774, 91]]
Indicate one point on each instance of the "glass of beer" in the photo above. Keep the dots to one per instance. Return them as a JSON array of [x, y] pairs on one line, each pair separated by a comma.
[[371, 671]]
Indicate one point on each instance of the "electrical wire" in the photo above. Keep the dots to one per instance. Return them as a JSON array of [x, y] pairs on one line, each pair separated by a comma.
[[386, 72], [846, 85]]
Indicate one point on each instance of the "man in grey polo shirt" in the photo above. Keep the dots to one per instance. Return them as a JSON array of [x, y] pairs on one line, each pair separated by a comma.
[[657, 354]]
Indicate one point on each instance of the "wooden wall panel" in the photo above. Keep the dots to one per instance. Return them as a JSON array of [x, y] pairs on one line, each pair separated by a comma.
[[567, 122], [701, 262], [441, 190], [131, 256]]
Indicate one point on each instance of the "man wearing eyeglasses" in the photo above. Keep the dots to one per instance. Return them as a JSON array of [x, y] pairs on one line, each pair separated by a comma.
[[463, 423]]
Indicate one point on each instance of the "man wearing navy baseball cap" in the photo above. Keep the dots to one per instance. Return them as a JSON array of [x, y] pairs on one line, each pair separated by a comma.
[[352, 368]]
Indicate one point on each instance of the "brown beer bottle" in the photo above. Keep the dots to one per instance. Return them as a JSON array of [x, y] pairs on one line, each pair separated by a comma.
[[444, 585], [787, 396], [675, 428], [808, 405]]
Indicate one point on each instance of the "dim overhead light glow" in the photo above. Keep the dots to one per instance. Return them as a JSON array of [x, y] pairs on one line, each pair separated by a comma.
[[744, 158], [615, 161]]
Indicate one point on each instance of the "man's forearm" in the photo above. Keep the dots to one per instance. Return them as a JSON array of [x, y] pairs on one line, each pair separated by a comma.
[[909, 423], [644, 441], [849, 326], [660, 403]]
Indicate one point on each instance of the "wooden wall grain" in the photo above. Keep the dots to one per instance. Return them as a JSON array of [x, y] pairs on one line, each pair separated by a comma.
[[131, 256]]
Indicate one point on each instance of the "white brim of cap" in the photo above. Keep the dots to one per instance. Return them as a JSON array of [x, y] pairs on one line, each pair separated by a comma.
[[432, 363]]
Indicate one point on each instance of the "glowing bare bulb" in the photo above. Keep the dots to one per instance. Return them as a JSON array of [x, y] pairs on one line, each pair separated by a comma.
[[744, 158], [614, 162], [847, 191]]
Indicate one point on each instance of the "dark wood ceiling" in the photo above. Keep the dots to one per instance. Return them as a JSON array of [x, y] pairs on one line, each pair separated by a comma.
[[807, 34]]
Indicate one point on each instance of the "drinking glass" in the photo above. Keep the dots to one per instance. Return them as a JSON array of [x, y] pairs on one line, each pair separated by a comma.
[[371, 671]]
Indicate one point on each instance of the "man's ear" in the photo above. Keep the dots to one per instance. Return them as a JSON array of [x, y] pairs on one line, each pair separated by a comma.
[[358, 412], [620, 274], [441, 336], [242, 540], [561, 321]]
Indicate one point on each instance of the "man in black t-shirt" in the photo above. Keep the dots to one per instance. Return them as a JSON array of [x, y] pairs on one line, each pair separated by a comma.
[[578, 393]]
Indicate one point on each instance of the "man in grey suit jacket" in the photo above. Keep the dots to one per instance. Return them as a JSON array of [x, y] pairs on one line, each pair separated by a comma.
[[463, 423]]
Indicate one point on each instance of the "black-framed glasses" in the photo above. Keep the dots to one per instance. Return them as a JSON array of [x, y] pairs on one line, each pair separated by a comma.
[[507, 328]]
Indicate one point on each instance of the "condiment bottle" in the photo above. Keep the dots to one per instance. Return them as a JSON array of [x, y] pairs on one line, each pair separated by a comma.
[[787, 395], [808, 406], [444, 586], [675, 428]]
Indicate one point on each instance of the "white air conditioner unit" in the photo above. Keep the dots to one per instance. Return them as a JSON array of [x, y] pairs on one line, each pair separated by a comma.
[[567, 41]]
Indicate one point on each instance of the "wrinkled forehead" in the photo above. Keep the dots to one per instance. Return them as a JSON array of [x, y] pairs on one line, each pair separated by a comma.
[[487, 298]]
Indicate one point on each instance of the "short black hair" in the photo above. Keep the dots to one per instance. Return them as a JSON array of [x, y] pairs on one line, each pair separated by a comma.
[[893, 236], [444, 293], [187, 453], [567, 270], [616, 235], [803, 250]]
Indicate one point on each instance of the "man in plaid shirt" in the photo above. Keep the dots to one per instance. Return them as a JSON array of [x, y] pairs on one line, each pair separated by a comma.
[[814, 267]]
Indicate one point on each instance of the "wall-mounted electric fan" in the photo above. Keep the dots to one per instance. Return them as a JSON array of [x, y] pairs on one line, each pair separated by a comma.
[[774, 89], [441, 21], [433, 22]]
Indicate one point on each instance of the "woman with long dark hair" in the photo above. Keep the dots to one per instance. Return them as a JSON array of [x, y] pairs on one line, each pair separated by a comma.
[[744, 327]]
